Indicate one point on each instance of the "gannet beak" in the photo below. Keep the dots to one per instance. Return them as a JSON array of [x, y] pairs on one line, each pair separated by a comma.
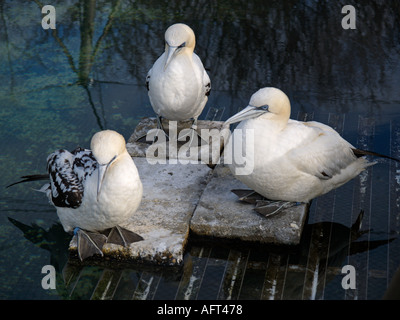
[[247, 113], [102, 170], [170, 53]]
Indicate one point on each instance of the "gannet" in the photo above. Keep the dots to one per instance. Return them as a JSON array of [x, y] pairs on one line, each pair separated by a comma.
[[93, 191], [178, 85], [294, 161]]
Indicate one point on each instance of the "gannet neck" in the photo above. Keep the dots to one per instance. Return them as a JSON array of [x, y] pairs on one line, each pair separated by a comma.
[[107, 147], [116, 168]]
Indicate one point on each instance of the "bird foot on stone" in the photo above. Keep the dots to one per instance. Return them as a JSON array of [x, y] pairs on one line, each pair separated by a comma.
[[155, 137], [89, 243], [248, 196], [195, 140], [268, 208], [122, 236], [263, 206]]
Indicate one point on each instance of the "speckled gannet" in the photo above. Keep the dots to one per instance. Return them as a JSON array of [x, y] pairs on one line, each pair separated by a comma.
[[177, 84], [94, 190], [293, 161]]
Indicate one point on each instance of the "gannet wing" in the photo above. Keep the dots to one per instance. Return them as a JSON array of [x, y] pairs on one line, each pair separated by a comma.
[[84, 163], [322, 151], [67, 173], [29, 178], [148, 79], [205, 76], [206, 83]]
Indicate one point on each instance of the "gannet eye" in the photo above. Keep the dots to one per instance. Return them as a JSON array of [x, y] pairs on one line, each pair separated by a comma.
[[264, 107], [182, 45]]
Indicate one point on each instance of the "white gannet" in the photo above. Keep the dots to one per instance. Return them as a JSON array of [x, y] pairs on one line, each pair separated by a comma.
[[94, 190], [177, 84], [293, 161]]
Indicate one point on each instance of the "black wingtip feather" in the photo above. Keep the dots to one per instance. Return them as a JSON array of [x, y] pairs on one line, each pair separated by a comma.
[[30, 178], [361, 153]]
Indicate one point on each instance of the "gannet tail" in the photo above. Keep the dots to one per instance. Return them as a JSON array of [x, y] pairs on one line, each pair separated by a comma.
[[360, 153], [29, 178]]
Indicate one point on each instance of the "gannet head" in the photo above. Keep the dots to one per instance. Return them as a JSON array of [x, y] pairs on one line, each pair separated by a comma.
[[107, 146], [179, 39], [269, 102]]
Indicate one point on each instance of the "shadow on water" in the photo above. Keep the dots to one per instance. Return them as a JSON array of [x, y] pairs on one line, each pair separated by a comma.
[[318, 258], [57, 87]]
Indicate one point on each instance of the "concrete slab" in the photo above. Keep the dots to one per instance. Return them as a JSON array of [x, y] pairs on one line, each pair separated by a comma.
[[182, 194], [170, 195], [219, 214], [172, 187]]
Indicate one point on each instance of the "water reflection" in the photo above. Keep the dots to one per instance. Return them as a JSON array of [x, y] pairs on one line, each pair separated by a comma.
[[297, 46], [324, 250], [58, 87], [308, 270]]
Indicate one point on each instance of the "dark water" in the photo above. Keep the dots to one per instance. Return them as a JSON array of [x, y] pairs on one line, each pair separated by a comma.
[[58, 87]]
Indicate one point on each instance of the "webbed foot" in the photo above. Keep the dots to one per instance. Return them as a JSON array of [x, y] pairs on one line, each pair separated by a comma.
[[247, 195], [263, 206], [268, 208], [122, 236], [89, 243], [160, 130]]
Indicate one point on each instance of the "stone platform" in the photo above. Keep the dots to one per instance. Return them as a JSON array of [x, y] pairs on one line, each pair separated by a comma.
[[219, 214], [184, 193]]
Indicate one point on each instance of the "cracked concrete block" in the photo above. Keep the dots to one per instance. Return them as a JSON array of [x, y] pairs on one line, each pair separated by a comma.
[[220, 214], [170, 195]]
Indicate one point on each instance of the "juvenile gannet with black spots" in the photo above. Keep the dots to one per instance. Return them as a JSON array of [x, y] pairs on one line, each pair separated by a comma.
[[294, 161], [93, 191], [178, 85]]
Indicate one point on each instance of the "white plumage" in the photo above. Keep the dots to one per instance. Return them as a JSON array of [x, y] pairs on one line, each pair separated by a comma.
[[293, 161], [178, 85], [94, 190]]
